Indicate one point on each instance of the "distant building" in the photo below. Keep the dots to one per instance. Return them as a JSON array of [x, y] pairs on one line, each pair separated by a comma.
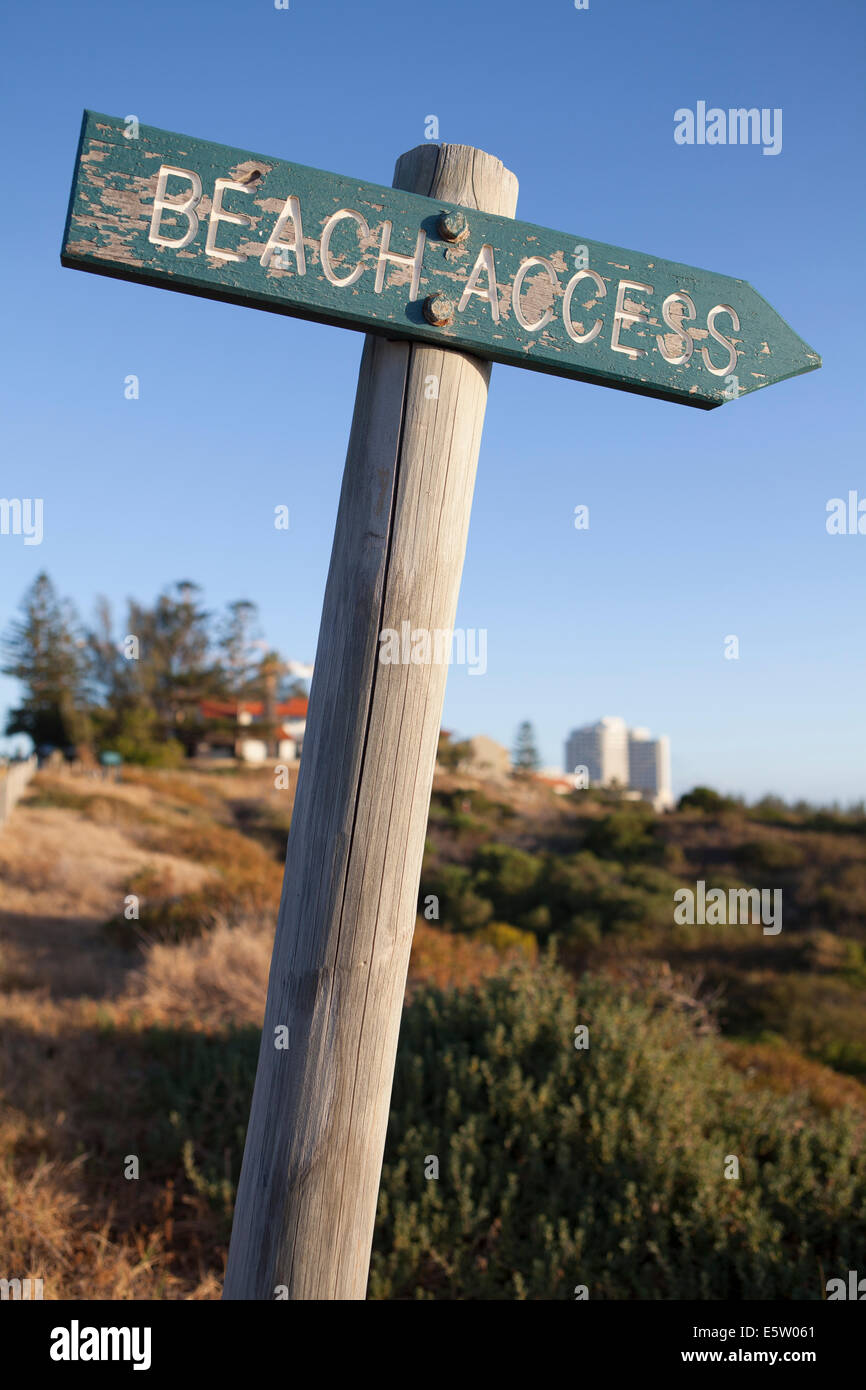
[[649, 767], [608, 753], [231, 730], [602, 749], [485, 758], [554, 778]]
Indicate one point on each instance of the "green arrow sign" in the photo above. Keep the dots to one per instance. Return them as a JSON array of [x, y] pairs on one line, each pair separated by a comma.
[[212, 220]]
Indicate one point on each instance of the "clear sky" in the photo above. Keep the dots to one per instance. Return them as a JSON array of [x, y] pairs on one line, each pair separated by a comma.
[[702, 525]]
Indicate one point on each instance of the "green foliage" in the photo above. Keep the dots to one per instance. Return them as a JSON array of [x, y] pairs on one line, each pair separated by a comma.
[[139, 694], [504, 937], [603, 886], [707, 800], [627, 833], [505, 873], [854, 962], [238, 638], [602, 1167], [146, 753], [770, 855], [525, 756], [770, 809], [196, 1091], [467, 814], [43, 649], [450, 753], [579, 897], [821, 1014], [152, 694]]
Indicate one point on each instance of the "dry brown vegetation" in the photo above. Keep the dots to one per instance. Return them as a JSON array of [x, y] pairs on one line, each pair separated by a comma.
[[91, 1004], [77, 1000]]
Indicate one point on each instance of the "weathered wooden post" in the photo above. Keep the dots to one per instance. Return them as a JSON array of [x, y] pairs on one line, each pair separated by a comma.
[[501, 291], [307, 1197]]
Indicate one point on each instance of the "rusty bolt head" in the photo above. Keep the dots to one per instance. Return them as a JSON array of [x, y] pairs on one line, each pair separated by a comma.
[[453, 226], [438, 310]]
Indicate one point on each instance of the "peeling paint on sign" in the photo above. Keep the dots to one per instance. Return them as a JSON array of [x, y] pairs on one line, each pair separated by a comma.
[[211, 220]]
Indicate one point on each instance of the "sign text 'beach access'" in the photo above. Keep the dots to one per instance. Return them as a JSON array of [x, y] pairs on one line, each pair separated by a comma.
[[212, 220]]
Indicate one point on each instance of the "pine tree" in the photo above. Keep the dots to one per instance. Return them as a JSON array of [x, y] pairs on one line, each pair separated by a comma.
[[525, 756], [239, 643], [176, 668], [45, 650]]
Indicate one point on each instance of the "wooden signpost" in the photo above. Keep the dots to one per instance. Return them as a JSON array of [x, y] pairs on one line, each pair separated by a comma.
[[444, 281]]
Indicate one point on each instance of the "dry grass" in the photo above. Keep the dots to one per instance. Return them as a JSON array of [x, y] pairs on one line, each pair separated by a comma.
[[67, 857], [67, 1214], [450, 961], [56, 862], [76, 1010], [774, 1067], [220, 980], [216, 981], [52, 1231]]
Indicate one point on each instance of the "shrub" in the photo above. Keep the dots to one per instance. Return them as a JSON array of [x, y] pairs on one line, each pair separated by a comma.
[[537, 920], [584, 930], [769, 855], [602, 1167], [507, 938], [627, 833], [167, 754], [504, 872], [471, 911], [706, 800], [822, 1015]]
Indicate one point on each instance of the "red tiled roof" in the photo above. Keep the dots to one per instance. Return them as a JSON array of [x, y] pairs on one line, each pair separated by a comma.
[[296, 708]]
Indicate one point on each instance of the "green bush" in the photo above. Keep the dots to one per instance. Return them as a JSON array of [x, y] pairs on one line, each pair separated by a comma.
[[707, 800], [504, 872], [504, 937], [584, 930], [154, 753], [627, 833], [771, 855], [196, 1091], [546, 893], [822, 1015], [602, 1167]]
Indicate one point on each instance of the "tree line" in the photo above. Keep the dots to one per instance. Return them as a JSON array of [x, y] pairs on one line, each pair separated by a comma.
[[136, 691]]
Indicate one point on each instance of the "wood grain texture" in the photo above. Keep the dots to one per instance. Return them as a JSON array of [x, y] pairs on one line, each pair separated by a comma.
[[309, 1184], [562, 303]]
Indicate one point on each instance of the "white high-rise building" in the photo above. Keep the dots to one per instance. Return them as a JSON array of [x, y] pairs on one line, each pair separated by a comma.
[[649, 767], [601, 748], [612, 753]]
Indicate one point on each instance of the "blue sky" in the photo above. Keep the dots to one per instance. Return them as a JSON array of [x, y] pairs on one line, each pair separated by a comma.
[[701, 524]]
